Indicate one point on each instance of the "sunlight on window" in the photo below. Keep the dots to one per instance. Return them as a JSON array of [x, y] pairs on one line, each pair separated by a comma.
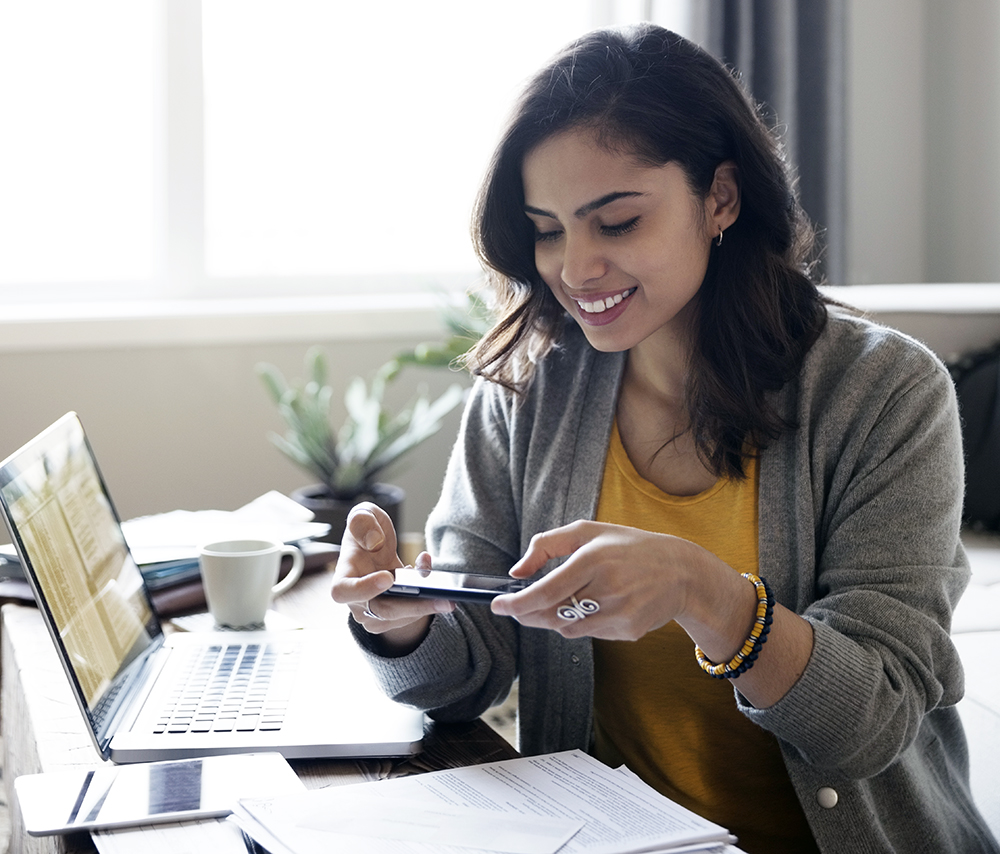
[[351, 138], [315, 141], [77, 145]]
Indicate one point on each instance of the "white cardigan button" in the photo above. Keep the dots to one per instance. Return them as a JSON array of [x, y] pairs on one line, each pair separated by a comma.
[[827, 798]]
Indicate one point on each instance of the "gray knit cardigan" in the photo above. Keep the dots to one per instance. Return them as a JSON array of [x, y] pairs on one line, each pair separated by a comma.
[[859, 511]]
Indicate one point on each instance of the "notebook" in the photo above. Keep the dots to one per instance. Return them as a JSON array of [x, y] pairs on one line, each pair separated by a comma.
[[146, 696]]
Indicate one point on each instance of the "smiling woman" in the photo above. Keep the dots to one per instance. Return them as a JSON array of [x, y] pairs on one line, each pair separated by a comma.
[[690, 451], [605, 223]]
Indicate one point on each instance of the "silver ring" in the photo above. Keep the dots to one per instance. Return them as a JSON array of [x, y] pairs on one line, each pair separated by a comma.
[[369, 613], [579, 610]]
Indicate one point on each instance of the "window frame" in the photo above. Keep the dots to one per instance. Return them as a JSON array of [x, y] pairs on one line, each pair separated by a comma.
[[179, 269]]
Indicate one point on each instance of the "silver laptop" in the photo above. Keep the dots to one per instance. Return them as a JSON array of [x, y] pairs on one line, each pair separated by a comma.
[[146, 696]]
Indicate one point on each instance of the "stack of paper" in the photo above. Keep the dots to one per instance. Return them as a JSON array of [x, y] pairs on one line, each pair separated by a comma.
[[566, 802], [174, 537], [166, 545]]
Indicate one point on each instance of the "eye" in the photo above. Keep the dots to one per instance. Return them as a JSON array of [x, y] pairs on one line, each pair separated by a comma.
[[620, 228], [547, 236]]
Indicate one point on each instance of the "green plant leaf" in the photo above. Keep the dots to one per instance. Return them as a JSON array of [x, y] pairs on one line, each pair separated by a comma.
[[348, 458], [316, 365], [274, 381], [424, 420]]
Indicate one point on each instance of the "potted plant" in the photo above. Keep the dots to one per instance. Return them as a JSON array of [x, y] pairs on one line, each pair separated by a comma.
[[466, 323], [348, 460]]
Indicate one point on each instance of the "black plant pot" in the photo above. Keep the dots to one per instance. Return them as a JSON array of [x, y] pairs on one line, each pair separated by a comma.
[[334, 511]]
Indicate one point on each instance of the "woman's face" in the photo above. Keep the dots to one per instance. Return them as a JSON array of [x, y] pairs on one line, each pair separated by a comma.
[[622, 245]]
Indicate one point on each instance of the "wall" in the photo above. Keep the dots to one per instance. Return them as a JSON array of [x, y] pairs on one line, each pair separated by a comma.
[[186, 426], [951, 319], [962, 125], [923, 135], [887, 220]]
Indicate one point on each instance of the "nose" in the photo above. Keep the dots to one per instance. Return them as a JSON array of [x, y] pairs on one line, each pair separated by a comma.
[[582, 261]]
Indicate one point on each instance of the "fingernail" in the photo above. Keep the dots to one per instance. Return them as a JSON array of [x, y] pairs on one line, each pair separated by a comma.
[[373, 539]]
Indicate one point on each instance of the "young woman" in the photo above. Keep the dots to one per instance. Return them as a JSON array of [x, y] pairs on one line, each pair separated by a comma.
[[711, 472]]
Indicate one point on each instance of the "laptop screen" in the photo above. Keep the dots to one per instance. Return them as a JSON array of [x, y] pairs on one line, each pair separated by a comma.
[[68, 536]]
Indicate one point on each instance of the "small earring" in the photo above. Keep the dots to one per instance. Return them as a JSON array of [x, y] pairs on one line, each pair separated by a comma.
[[718, 242]]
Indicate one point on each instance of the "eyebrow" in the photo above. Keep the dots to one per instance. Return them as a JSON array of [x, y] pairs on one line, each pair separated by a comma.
[[590, 207]]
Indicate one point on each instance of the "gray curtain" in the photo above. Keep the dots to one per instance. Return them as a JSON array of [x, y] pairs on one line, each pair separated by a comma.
[[792, 56]]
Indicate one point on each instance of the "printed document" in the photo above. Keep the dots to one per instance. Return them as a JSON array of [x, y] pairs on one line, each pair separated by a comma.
[[567, 802]]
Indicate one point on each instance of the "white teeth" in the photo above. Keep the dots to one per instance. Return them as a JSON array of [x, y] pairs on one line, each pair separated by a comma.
[[598, 306]]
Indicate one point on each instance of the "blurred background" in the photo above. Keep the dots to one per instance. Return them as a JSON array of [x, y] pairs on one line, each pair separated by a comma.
[[190, 187]]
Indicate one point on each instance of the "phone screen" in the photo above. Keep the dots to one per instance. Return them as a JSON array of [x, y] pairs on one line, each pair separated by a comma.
[[459, 586], [148, 793]]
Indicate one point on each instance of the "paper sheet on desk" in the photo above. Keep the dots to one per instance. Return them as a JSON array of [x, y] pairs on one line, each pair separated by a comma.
[[619, 813], [355, 821], [178, 534], [220, 836]]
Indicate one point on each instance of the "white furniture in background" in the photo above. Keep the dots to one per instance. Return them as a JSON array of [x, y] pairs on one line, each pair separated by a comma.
[[976, 633]]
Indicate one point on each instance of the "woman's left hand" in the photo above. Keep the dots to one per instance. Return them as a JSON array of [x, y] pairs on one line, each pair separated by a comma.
[[642, 581], [639, 580]]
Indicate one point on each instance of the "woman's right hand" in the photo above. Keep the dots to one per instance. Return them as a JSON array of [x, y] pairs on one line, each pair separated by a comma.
[[365, 569]]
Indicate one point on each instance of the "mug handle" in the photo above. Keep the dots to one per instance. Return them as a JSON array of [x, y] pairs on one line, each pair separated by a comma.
[[298, 562]]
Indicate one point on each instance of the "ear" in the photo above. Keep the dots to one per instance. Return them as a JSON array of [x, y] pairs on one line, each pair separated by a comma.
[[722, 205]]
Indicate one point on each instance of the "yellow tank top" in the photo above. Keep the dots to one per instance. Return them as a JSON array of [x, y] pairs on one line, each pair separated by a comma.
[[657, 712]]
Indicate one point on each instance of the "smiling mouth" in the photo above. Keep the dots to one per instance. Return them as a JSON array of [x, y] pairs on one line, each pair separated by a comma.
[[598, 306]]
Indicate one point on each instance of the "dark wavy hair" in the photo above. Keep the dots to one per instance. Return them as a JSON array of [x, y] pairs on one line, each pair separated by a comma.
[[649, 93]]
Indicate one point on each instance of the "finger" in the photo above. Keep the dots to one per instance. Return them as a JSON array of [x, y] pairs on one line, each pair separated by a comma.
[[547, 545], [369, 527], [589, 623], [349, 589], [392, 608], [384, 613], [545, 595], [423, 564], [374, 621]]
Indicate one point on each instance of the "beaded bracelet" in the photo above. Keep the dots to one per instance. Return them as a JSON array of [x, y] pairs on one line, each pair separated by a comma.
[[744, 659]]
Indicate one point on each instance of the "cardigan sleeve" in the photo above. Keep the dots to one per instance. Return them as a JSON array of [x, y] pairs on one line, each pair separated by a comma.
[[875, 550], [467, 663], [520, 465]]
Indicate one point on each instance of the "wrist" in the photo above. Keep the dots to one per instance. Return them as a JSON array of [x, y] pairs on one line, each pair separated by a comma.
[[750, 649], [395, 643], [720, 607]]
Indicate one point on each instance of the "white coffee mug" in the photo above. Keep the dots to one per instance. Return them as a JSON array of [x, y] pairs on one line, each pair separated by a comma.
[[241, 577]]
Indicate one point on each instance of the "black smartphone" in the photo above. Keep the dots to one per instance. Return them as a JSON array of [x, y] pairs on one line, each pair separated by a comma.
[[459, 586]]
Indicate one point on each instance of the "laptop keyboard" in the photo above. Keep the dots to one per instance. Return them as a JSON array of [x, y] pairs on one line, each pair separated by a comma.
[[106, 705], [232, 687]]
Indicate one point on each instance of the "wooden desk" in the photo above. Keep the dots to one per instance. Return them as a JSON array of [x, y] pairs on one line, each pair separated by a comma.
[[43, 729]]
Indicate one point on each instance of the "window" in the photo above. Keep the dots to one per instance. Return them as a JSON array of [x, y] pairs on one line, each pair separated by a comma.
[[77, 144], [376, 126], [197, 148]]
